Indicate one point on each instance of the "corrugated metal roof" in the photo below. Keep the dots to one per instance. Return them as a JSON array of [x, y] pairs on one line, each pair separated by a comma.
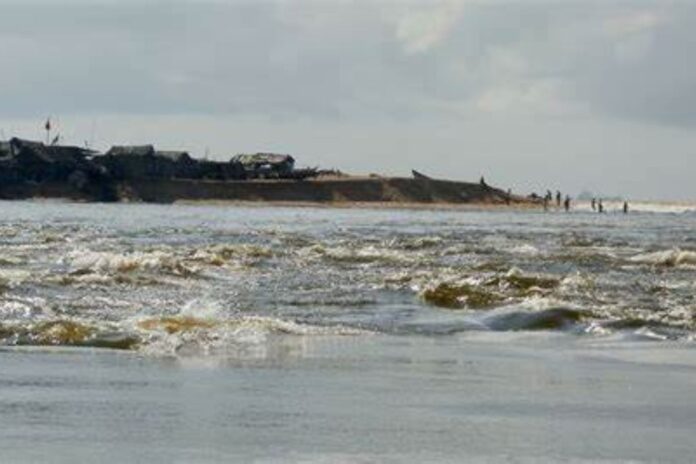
[[263, 158]]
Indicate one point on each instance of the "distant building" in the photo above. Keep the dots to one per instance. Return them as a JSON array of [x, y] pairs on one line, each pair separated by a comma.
[[266, 165], [5, 150], [216, 170], [143, 161], [23, 161], [184, 167], [34, 161], [8, 167]]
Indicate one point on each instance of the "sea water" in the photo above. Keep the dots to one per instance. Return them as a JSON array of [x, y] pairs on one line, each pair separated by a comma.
[[192, 333]]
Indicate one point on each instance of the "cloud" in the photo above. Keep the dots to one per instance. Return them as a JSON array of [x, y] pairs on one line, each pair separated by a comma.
[[541, 97], [633, 22], [513, 83], [345, 60], [421, 27]]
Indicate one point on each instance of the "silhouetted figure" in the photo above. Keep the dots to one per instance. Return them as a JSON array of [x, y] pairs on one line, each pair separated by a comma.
[[594, 204], [558, 198], [566, 203], [625, 207], [600, 206], [483, 182]]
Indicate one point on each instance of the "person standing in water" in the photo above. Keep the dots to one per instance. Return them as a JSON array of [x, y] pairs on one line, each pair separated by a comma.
[[625, 207], [566, 203], [558, 198], [594, 204], [600, 206]]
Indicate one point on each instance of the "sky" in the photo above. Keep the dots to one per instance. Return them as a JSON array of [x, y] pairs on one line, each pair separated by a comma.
[[534, 95]]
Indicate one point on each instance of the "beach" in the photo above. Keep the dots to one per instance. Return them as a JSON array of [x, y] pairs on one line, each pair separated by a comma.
[[509, 398]]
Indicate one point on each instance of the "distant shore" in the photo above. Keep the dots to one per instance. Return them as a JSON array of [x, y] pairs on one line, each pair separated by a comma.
[[142, 173], [390, 205], [328, 191], [346, 191]]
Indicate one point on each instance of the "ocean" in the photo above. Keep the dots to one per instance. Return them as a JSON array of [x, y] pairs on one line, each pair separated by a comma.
[[237, 333]]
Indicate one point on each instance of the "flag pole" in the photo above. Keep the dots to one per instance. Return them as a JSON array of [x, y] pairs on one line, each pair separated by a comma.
[[47, 126]]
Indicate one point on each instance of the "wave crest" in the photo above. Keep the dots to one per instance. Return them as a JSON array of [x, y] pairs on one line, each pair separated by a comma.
[[85, 262], [666, 258]]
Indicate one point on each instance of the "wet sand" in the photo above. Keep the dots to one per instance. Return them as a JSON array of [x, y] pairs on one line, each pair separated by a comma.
[[387, 205], [517, 397]]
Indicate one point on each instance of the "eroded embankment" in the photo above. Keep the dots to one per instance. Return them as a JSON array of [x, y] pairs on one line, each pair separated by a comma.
[[378, 189]]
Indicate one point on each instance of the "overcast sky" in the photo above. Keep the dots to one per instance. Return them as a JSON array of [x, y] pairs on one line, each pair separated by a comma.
[[597, 95]]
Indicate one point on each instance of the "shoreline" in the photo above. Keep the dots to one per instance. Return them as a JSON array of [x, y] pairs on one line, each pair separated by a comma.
[[385, 205], [643, 206], [376, 205], [296, 390], [336, 192]]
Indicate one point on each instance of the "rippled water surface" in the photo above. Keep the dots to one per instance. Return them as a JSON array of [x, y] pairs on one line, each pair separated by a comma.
[[149, 333], [172, 280]]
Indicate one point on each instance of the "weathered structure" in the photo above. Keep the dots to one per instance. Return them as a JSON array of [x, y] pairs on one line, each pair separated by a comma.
[[24, 162], [144, 162], [37, 162], [419, 175], [216, 170], [142, 173], [266, 165]]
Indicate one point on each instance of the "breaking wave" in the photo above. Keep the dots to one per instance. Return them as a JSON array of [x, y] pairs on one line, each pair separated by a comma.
[[86, 283], [487, 291], [225, 254], [165, 335], [666, 258], [86, 261], [356, 254], [547, 319]]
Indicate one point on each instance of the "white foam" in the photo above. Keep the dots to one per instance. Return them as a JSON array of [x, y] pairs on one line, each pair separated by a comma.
[[358, 255], [108, 262], [525, 249], [13, 309], [541, 303], [640, 206], [13, 277], [576, 281], [202, 309], [247, 335], [675, 257]]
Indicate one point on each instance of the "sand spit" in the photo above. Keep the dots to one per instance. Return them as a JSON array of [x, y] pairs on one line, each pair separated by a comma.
[[353, 191]]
